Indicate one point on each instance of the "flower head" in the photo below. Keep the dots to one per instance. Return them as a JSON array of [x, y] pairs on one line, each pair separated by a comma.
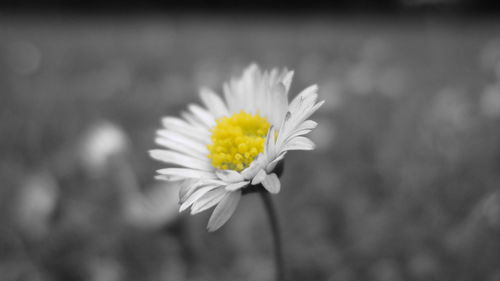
[[236, 142]]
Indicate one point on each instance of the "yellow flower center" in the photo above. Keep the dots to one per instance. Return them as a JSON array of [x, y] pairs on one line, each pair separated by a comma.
[[237, 140]]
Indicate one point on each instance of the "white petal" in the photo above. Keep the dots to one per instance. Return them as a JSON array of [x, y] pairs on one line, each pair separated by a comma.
[[229, 176], [297, 125], [307, 125], [278, 103], [188, 116], [305, 111], [287, 80], [214, 103], [270, 167], [259, 177], [230, 98], [163, 178], [310, 110], [185, 173], [273, 76], [270, 143], [272, 183], [245, 88], [307, 92], [180, 159], [195, 196], [304, 128], [299, 143], [181, 142], [183, 148], [208, 200], [284, 129], [224, 210], [247, 91], [184, 128], [237, 185], [194, 185], [202, 115], [186, 188], [254, 167]]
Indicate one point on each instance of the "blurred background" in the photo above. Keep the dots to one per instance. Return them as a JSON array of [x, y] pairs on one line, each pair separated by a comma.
[[403, 185]]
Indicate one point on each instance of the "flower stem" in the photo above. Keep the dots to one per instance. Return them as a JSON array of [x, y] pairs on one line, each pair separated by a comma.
[[273, 221]]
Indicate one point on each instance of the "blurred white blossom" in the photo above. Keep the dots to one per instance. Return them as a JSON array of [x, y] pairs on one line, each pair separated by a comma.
[[101, 142], [155, 207], [36, 201], [490, 100]]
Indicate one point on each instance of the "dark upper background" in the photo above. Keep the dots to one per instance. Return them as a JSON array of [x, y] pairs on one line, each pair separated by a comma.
[[257, 6]]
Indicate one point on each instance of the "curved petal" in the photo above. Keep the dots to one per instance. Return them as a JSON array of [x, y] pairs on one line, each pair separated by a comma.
[[202, 115], [256, 165], [229, 176], [181, 143], [272, 183], [237, 185], [195, 196], [176, 158], [259, 177], [224, 210], [185, 173], [184, 128], [214, 103], [279, 103], [298, 143], [208, 200]]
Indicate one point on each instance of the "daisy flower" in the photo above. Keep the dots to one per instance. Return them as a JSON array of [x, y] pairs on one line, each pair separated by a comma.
[[236, 143]]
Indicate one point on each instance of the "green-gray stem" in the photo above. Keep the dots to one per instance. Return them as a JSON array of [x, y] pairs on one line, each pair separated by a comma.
[[273, 221]]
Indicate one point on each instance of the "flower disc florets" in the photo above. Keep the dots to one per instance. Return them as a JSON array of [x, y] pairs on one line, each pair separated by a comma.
[[237, 140]]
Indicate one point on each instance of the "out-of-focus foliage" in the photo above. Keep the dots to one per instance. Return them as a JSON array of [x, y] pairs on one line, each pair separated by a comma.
[[403, 184]]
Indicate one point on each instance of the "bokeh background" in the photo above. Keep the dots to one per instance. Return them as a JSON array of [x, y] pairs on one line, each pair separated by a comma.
[[403, 185]]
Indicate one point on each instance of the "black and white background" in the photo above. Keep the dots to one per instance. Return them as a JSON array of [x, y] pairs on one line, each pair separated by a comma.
[[404, 183]]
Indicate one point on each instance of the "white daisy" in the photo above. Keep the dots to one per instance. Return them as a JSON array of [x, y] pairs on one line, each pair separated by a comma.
[[235, 144]]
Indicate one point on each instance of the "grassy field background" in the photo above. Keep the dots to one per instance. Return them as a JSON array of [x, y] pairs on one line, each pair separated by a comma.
[[403, 184]]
